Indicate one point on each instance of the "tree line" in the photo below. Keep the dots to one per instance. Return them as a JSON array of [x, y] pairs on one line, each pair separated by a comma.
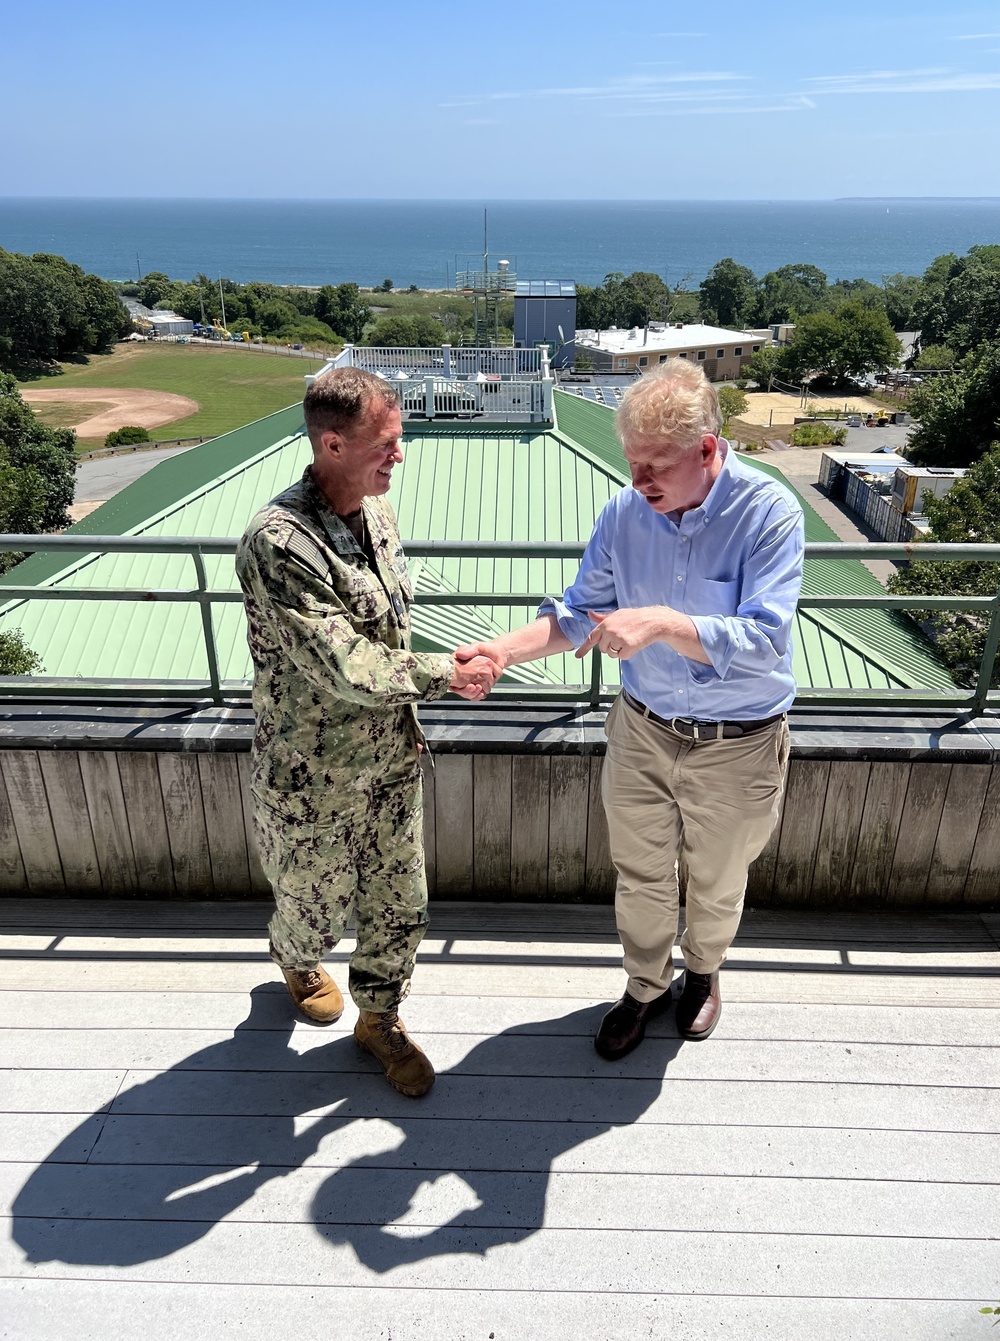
[[51, 309], [334, 314]]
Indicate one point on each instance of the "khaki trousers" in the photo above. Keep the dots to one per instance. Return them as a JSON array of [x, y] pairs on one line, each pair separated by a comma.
[[710, 805]]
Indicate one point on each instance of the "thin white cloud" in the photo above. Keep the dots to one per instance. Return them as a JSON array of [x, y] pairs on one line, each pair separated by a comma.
[[906, 81], [972, 37], [733, 105], [628, 88], [680, 34]]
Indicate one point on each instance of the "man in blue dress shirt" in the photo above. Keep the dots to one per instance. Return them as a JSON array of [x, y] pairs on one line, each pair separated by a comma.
[[690, 579]]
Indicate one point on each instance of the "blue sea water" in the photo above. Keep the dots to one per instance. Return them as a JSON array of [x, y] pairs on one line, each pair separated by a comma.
[[418, 242]]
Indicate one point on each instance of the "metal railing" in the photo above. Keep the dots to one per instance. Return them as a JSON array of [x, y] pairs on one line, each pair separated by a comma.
[[217, 690], [453, 398], [446, 360]]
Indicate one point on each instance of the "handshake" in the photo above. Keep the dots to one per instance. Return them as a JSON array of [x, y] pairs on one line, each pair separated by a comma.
[[477, 666]]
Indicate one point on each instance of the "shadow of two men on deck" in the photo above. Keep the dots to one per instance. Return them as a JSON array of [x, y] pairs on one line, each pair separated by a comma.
[[154, 1170]]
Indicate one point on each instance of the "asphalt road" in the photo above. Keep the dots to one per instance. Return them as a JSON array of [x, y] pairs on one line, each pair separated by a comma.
[[104, 476]]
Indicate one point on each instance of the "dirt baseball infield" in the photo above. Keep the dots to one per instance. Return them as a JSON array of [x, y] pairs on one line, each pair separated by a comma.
[[146, 409]]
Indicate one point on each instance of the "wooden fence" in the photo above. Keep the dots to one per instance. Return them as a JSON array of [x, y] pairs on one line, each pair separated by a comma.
[[521, 826]]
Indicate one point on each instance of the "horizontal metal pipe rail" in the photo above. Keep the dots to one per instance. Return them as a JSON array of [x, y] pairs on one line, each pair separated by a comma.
[[218, 690]]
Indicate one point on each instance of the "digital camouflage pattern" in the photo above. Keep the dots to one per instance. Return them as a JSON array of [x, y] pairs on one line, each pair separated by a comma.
[[334, 764], [369, 857]]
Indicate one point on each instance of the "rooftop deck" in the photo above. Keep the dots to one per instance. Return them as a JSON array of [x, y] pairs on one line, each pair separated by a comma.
[[181, 1159]]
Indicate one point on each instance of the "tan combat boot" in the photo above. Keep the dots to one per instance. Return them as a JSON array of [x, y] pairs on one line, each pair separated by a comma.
[[383, 1035], [315, 993]]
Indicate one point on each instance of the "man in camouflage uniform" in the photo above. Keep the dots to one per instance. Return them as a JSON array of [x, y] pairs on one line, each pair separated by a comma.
[[335, 770]]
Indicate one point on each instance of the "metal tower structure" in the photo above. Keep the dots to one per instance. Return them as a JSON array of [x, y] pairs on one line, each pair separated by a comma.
[[486, 287]]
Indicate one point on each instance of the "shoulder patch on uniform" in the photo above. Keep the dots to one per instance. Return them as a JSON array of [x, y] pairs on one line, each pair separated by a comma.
[[309, 554]]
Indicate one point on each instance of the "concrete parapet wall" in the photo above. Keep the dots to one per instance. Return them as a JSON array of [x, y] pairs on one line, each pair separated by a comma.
[[151, 801]]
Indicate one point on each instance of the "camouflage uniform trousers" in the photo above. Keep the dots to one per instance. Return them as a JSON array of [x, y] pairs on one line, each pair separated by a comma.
[[365, 855]]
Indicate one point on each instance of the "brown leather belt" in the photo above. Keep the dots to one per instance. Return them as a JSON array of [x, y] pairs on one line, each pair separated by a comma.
[[700, 731]]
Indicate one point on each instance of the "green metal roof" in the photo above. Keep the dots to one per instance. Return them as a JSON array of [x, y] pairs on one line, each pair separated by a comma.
[[473, 482]]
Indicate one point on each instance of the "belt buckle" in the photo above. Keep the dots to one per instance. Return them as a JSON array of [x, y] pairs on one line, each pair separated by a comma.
[[701, 731]]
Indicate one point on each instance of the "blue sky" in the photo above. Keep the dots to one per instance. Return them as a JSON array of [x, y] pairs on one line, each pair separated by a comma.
[[578, 100]]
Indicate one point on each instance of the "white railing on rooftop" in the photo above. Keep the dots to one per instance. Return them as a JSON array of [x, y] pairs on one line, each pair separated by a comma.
[[456, 398], [446, 360]]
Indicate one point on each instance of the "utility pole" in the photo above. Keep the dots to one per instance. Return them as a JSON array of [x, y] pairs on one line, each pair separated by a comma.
[[223, 302], [137, 270]]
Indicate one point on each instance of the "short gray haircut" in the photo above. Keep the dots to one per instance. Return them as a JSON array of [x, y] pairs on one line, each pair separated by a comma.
[[339, 399]]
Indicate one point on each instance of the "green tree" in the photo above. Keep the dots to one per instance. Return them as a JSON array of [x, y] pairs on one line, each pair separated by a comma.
[[16, 657], [960, 302], [419, 331], [732, 402], [934, 356], [50, 309], [727, 293], [847, 343], [970, 513], [154, 288], [766, 365], [958, 416], [39, 467], [902, 295], [341, 308]]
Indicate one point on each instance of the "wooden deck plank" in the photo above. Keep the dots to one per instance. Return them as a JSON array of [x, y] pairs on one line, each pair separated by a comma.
[[837, 843], [112, 836], [569, 805], [879, 830], [714, 1263], [922, 807], [625, 1201], [29, 808], [530, 780], [147, 822], [227, 844], [13, 879], [963, 807], [71, 820], [555, 1018], [173, 1141], [185, 813], [800, 828], [492, 823], [453, 823], [510, 1054], [106, 1311]]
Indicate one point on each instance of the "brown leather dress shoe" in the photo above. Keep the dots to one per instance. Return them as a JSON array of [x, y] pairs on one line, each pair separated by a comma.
[[699, 1005], [624, 1026]]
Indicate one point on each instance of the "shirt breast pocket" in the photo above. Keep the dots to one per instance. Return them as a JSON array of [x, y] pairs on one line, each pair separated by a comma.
[[712, 596], [367, 599]]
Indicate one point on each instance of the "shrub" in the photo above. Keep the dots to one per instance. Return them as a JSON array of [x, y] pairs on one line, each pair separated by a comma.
[[126, 436], [16, 657], [818, 434]]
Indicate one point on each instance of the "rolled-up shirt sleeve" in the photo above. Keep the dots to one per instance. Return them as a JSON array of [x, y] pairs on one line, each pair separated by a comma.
[[754, 640], [592, 589]]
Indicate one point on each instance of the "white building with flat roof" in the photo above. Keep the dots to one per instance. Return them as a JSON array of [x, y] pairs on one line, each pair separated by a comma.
[[722, 353]]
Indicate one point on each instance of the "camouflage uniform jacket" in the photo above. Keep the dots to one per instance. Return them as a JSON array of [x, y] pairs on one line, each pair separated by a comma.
[[335, 680]]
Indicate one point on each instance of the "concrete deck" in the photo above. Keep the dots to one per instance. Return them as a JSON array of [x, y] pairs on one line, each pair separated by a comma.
[[181, 1159]]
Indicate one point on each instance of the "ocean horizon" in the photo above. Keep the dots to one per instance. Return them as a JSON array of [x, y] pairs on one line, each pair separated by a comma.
[[420, 242]]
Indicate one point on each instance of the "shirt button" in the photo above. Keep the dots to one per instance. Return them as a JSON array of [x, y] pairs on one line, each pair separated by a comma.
[[680, 577], [683, 539]]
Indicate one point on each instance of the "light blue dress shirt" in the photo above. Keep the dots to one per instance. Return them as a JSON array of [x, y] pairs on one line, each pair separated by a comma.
[[734, 565]]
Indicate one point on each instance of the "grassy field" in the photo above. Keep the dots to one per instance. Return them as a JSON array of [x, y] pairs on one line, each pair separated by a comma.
[[232, 386]]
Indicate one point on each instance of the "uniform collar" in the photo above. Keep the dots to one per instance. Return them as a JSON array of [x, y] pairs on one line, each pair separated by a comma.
[[340, 535]]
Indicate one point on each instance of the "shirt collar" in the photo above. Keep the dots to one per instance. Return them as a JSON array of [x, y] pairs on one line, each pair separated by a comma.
[[722, 484]]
